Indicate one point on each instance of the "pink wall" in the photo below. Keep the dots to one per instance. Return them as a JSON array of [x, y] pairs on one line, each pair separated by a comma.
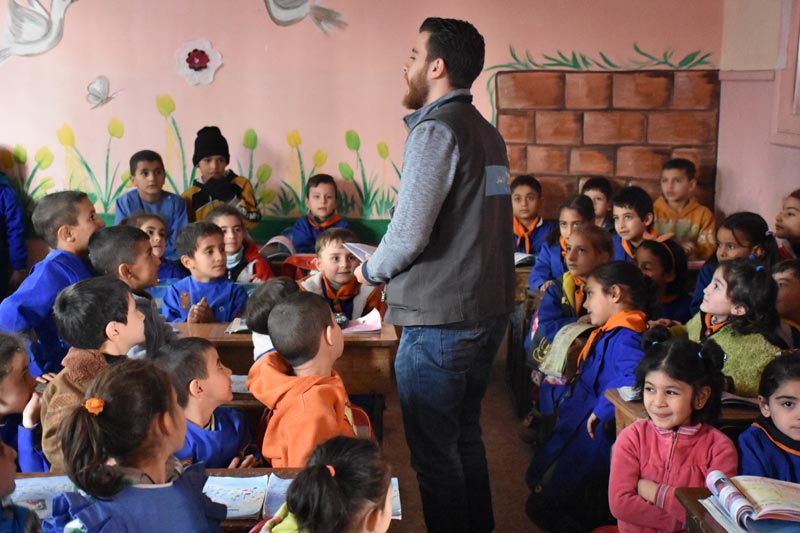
[[277, 79]]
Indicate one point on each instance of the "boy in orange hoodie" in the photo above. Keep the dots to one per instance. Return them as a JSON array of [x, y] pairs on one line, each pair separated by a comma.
[[298, 384]]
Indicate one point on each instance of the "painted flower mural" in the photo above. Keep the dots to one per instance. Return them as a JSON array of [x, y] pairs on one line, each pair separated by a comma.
[[197, 61]]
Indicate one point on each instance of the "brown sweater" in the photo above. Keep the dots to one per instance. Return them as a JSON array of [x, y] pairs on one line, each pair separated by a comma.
[[65, 393]]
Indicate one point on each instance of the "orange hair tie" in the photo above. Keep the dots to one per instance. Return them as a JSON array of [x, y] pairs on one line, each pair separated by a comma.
[[94, 405], [331, 470]]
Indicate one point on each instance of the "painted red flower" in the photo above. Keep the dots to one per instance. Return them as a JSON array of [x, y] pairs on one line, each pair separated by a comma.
[[198, 59]]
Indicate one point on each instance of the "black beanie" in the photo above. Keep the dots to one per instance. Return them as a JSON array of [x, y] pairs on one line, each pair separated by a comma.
[[210, 142]]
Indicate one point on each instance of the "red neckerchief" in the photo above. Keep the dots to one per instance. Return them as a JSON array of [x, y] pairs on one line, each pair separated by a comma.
[[633, 320], [324, 224], [523, 234], [347, 291], [712, 328]]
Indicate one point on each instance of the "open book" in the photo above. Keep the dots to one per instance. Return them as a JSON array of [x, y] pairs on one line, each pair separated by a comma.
[[521, 259], [753, 503], [361, 251], [37, 493]]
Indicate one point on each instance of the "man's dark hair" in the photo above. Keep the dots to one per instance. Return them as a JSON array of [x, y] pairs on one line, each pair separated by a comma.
[[55, 210], [111, 247], [183, 360], [84, 309], [318, 179], [144, 155], [684, 165], [295, 326], [461, 47], [186, 240]]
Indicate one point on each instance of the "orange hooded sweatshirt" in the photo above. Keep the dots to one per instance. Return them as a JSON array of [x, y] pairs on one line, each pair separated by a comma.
[[306, 411]]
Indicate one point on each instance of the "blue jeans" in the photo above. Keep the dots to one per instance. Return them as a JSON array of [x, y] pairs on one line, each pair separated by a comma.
[[442, 376]]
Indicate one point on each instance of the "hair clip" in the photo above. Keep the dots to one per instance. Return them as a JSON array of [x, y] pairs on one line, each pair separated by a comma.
[[331, 470], [94, 405], [759, 268]]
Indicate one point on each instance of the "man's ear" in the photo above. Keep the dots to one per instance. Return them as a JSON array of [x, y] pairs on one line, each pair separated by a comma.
[[437, 68]]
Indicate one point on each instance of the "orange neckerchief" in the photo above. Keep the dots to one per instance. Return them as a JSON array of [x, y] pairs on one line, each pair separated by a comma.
[[324, 224], [712, 328], [347, 291], [633, 320], [523, 234], [628, 247], [563, 243]]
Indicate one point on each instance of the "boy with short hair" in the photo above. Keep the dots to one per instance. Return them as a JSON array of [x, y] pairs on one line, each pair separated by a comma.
[[530, 230], [147, 176], [155, 226], [217, 185], [679, 213], [632, 210], [215, 435], [598, 189], [65, 220], [787, 275], [335, 279], [306, 395], [124, 252], [98, 317], [205, 295], [321, 202], [259, 305]]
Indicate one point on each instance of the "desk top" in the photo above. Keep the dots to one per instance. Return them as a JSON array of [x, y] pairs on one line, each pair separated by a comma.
[[636, 410], [215, 332], [698, 519]]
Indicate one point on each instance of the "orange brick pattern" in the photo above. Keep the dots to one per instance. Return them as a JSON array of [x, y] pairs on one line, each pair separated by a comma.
[[563, 126]]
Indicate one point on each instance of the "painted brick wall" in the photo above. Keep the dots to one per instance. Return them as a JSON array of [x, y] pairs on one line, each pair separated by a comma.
[[563, 126]]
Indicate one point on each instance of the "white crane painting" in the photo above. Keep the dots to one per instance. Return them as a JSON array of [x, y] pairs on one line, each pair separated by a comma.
[[32, 30], [287, 12]]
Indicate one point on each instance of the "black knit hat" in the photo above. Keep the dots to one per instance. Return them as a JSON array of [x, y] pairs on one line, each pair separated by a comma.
[[210, 142]]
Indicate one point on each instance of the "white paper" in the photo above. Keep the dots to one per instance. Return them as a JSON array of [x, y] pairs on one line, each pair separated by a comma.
[[37, 493], [371, 323], [361, 251], [244, 496]]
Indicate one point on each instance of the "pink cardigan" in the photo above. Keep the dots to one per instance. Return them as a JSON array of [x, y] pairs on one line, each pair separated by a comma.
[[671, 458]]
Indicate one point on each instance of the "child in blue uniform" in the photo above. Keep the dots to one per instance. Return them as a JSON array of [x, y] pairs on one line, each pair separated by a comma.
[[215, 435], [743, 235], [21, 406], [13, 518], [148, 196], [156, 228], [771, 446], [530, 228], [321, 201], [259, 305], [665, 262], [632, 210], [787, 275], [13, 252], [131, 416], [549, 266], [568, 478], [599, 190], [205, 296], [65, 220]]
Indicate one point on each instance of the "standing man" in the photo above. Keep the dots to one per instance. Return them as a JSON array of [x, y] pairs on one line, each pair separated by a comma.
[[447, 259]]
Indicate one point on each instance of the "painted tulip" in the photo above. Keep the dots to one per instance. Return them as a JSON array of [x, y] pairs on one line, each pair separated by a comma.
[[352, 140], [20, 154], [165, 105], [116, 128], [44, 157], [293, 138], [66, 136], [250, 139], [320, 157]]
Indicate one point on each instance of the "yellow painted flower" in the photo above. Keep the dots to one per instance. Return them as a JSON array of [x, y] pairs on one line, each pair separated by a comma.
[[383, 150], [6, 159], [116, 128], [43, 157], [320, 157], [165, 105], [293, 138], [20, 154], [126, 179], [263, 173], [267, 196], [66, 136], [250, 139]]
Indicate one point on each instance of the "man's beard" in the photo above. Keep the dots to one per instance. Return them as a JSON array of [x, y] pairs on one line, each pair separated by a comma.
[[418, 91]]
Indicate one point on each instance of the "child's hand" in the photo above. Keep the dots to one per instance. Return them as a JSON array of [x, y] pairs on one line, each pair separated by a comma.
[[647, 489], [255, 279], [30, 415], [46, 378], [591, 424], [200, 312], [543, 286], [248, 462]]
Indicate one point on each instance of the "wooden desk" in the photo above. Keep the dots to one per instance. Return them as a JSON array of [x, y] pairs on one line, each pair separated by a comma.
[[521, 283], [698, 519], [366, 365], [627, 413]]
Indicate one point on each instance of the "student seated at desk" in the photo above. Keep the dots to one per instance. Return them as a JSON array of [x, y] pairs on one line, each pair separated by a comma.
[[335, 280], [321, 200], [118, 445], [530, 229], [771, 446], [632, 210], [347, 483], [244, 261], [598, 189], [205, 296], [787, 275], [664, 261], [787, 226], [13, 518], [215, 435], [298, 383], [155, 227], [259, 305], [681, 383]]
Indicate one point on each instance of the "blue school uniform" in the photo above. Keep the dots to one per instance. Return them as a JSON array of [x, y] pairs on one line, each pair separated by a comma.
[[537, 238], [549, 265], [217, 445], [225, 298], [31, 308], [179, 505], [170, 206], [765, 451], [304, 233], [171, 270], [13, 252], [704, 277], [27, 443], [574, 463], [18, 519], [677, 309], [619, 250]]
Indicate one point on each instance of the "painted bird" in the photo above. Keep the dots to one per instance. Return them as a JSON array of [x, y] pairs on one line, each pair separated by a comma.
[[288, 12], [32, 30]]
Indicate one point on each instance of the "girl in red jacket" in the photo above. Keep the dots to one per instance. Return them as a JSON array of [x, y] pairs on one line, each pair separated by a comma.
[[681, 383]]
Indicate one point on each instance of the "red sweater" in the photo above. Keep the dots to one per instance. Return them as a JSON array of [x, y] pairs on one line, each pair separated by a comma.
[[671, 458]]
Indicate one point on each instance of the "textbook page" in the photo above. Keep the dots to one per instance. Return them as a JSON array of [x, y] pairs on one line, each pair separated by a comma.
[[37, 493], [244, 496], [276, 494]]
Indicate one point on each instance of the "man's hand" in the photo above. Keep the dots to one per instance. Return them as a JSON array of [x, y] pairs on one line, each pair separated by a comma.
[[360, 276], [200, 312]]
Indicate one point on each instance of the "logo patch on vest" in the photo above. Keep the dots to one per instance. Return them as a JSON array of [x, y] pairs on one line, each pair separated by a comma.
[[497, 177]]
